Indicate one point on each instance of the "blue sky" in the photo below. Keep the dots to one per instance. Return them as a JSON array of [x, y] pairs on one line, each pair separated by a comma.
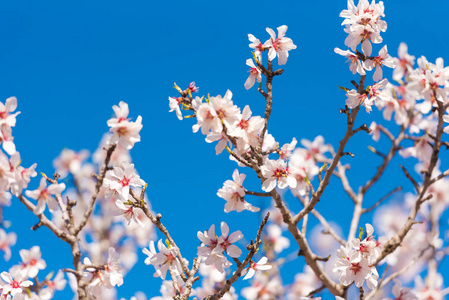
[[69, 62]]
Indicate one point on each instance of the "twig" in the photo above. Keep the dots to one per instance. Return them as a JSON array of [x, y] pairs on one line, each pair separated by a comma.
[[157, 222], [257, 194], [98, 185], [315, 291], [407, 174], [252, 248], [366, 210]]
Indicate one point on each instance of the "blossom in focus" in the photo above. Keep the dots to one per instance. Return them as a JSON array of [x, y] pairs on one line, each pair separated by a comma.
[[355, 260], [253, 267], [226, 240], [14, 283], [128, 212], [257, 46], [382, 59], [355, 65], [276, 172], [279, 45], [123, 130], [119, 180], [234, 193], [174, 106], [164, 260], [6, 115], [363, 24], [254, 74]]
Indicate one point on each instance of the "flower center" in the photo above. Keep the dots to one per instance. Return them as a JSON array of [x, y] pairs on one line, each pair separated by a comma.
[[125, 181], [15, 284], [355, 268]]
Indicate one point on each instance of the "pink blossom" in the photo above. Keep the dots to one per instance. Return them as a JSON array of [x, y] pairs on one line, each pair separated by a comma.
[[234, 193], [124, 131], [43, 196], [254, 74], [280, 45], [119, 180], [253, 267], [6, 241], [276, 172], [14, 285]]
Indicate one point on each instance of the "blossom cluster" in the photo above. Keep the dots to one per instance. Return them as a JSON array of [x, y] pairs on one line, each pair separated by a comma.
[[21, 280], [355, 261]]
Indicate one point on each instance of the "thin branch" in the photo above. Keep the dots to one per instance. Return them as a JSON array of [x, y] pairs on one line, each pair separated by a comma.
[[140, 203], [366, 210], [252, 248], [98, 185], [396, 240], [441, 176], [257, 194], [407, 174]]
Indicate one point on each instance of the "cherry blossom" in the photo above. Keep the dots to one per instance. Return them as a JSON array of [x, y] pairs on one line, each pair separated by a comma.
[[164, 260], [254, 74], [57, 284], [276, 172], [43, 196], [280, 45], [70, 161], [275, 238], [174, 106], [355, 65], [264, 288], [363, 24], [355, 259], [404, 62], [253, 267], [6, 241], [124, 131], [234, 193], [31, 262], [383, 59], [119, 180], [14, 283], [128, 212], [257, 46], [6, 116]]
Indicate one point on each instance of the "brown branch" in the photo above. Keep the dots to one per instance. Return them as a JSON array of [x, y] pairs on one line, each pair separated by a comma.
[[397, 239], [407, 174], [366, 210], [257, 194], [252, 248], [98, 185], [140, 203]]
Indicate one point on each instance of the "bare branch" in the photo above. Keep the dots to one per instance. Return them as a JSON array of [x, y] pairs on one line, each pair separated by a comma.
[[98, 185], [366, 210], [407, 174]]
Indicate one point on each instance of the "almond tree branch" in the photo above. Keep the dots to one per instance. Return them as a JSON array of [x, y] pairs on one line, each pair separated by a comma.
[[252, 248], [366, 210], [156, 220], [98, 185], [397, 239]]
